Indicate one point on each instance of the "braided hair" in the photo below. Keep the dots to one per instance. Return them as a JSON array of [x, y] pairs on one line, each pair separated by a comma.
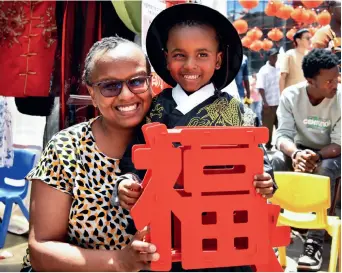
[[103, 46]]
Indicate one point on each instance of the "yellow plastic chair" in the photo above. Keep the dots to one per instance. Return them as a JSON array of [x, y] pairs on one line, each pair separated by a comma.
[[306, 193]]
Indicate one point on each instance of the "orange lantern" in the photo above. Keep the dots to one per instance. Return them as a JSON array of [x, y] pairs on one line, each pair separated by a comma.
[[300, 15], [241, 26], [291, 33], [254, 34], [285, 12], [267, 44], [246, 41], [312, 4], [324, 18], [256, 45], [275, 34], [312, 17], [272, 7], [249, 4]]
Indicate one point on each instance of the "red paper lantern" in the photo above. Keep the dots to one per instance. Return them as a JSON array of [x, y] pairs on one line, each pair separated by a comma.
[[256, 45], [312, 4], [324, 18], [285, 12], [300, 15], [246, 41], [267, 44], [241, 26], [249, 4], [312, 17], [254, 34], [272, 7], [291, 33], [275, 34]]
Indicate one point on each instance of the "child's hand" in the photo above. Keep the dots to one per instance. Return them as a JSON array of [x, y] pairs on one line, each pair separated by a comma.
[[128, 192], [263, 184]]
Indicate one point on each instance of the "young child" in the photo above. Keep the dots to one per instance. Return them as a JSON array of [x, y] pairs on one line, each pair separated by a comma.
[[196, 50]]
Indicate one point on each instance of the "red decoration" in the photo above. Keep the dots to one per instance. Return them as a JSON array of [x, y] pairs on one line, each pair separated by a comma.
[[285, 12], [249, 4], [312, 17], [275, 34], [267, 44], [256, 45], [300, 15], [312, 4], [210, 221], [291, 33], [324, 18], [254, 34], [246, 41], [241, 26], [273, 7]]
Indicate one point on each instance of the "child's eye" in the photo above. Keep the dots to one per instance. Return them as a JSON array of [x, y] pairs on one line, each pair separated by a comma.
[[203, 55], [178, 56]]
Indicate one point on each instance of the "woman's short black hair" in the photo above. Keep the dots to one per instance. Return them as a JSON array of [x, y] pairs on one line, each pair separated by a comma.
[[103, 46], [318, 59], [299, 34]]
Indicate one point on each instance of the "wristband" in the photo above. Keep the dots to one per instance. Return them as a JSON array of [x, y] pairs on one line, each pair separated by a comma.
[[320, 158]]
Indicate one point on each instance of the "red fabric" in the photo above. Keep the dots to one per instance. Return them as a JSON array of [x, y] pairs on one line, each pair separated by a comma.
[[27, 47]]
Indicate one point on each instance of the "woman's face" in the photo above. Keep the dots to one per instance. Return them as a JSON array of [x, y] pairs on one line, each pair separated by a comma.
[[125, 62]]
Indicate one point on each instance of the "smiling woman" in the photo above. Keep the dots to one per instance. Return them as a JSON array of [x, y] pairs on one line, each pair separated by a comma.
[[73, 224]]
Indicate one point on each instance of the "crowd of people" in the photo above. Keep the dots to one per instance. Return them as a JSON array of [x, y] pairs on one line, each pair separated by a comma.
[[85, 182]]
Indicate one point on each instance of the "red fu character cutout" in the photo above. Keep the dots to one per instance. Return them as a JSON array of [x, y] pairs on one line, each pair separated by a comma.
[[221, 221]]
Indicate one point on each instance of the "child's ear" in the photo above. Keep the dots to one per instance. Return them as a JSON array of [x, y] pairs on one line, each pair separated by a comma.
[[218, 60]]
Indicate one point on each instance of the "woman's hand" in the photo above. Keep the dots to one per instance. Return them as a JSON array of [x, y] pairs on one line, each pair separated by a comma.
[[138, 254]]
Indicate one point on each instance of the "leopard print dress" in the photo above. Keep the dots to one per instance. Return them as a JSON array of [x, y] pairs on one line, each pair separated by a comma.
[[73, 164]]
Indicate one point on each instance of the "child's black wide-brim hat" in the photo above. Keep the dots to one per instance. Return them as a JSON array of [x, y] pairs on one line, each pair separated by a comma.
[[230, 43]]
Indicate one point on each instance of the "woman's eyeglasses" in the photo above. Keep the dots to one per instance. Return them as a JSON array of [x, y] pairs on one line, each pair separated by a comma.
[[113, 88]]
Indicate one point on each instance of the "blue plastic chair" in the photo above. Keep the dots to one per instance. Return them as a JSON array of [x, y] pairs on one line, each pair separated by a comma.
[[9, 195]]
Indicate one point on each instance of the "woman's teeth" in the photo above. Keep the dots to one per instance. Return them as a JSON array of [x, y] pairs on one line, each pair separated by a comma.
[[127, 108]]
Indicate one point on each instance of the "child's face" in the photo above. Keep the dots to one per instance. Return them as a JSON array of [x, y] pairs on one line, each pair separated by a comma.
[[192, 56]]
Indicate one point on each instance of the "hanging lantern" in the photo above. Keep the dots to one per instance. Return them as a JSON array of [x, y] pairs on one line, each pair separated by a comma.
[[256, 45], [285, 12], [272, 7], [275, 34], [312, 17], [291, 33], [241, 26], [249, 4], [300, 15], [324, 18], [267, 44], [246, 41], [312, 4], [254, 34]]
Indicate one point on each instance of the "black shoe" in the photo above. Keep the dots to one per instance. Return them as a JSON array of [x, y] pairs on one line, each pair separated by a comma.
[[311, 259]]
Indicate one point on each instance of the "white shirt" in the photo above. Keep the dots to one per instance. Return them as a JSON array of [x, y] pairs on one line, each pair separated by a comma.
[[268, 79]]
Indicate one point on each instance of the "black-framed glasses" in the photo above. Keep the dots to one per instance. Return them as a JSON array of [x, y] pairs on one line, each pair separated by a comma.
[[113, 88]]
